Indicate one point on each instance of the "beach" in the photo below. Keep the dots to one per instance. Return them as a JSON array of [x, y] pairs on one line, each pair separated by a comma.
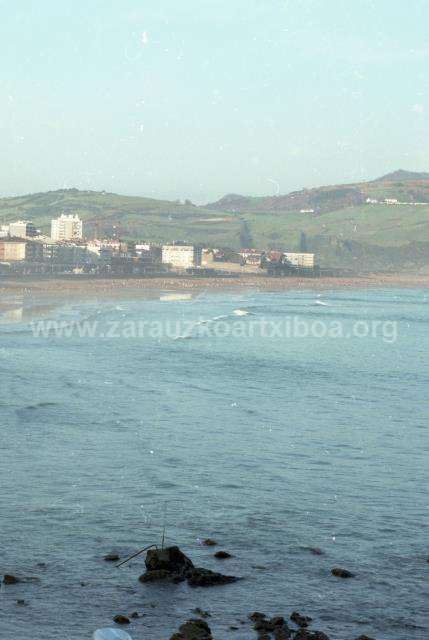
[[96, 288]]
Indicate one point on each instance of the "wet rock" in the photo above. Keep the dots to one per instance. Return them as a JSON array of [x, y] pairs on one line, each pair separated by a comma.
[[257, 615], [156, 575], [282, 633], [111, 557], [265, 626], [301, 621], [364, 638], [166, 564], [305, 634], [193, 630], [201, 613], [222, 555], [171, 559], [120, 619], [135, 614], [199, 577], [209, 542], [22, 603], [316, 551], [342, 573], [8, 578]]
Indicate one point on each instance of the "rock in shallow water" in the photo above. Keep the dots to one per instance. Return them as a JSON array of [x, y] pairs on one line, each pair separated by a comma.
[[199, 577], [193, 630], [342, 573], [173, 565], [120, 619], [222, 555], [305, 634], [8, 578], [301, 621], [111, 557]]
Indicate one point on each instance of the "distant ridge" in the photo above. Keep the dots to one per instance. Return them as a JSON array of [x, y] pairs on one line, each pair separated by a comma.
[[403, 176]]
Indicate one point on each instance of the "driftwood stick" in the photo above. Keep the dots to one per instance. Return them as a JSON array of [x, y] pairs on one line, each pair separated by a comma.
[[136, 554]]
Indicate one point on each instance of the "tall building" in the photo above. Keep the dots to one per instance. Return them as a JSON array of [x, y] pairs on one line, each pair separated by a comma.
[[22, 229], [181, 256], [66, 227]]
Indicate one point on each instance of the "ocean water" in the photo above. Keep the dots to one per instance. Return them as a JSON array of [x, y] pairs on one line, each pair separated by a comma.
[[269, 442]]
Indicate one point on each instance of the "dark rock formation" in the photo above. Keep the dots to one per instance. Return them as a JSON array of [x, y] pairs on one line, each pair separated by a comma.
[[172, 565], [171, 559], [120, 619], [200, 612], [222, 555], [301, 621], [342, 573], [199, 577], [364, 638], [166, 564], [193, 630], [10, 579], [209, 542], [305, 634], [111, 557], [157, 575], [266, 626]]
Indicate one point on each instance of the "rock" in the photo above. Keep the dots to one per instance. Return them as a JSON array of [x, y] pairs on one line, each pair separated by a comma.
[[276, 625], [111, 557], [257, 615], [171, 559], [22, 603], [342, 573], [193, 630], [364, 638], [120, 619], [201, 613], [301, 621], [222, 555], [135, 614], [209, 542], [10, 579], [316, 551], [199, 577], [305, 634], [282, 633], [156, 575], [166, 564]]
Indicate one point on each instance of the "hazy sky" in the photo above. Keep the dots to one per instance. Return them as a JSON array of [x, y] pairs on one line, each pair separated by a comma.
[[198, 98]]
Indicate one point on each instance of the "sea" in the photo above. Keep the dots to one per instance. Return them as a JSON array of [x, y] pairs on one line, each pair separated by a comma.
[[291, 428]]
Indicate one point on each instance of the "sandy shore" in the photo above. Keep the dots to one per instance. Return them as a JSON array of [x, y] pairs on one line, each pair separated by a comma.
[[74, 288]]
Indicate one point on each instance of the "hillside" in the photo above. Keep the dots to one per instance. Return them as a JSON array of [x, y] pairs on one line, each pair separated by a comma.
[[131, 218], [344, 230], [406, 186]]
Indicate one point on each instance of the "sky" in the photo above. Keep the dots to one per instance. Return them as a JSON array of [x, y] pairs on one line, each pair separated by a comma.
[[197, 99]]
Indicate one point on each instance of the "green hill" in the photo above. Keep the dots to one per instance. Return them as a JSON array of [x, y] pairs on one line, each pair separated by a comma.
[[343, 229]]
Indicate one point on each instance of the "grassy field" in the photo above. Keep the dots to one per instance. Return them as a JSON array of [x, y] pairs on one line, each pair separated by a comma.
[[375, 230]]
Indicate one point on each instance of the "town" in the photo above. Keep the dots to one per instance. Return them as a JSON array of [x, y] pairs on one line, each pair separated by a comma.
[[25, 251]]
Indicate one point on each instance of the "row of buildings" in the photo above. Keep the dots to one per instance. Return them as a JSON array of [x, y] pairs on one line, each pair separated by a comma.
[[23, 249]]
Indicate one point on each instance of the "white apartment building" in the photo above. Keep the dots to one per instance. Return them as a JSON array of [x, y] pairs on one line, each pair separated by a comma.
[[66, 227], [4, 230], [181, 256], [305, 260], [22, 229]]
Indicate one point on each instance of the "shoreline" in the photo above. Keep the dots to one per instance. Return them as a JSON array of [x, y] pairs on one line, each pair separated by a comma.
[[126, 287]]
